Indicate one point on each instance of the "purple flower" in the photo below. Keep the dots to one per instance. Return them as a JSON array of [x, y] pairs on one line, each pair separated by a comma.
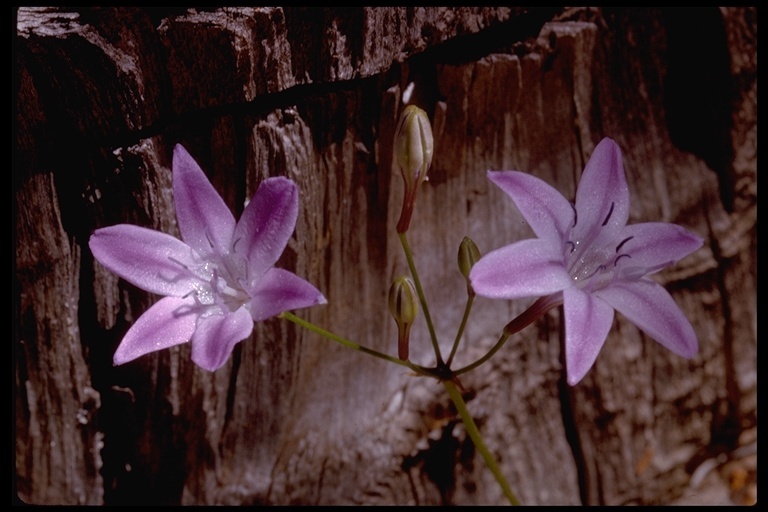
[[218, 279], [588, 258]]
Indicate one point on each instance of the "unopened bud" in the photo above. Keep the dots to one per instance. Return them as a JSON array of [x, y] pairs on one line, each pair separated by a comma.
[[468, 255], [413, 148], [404, 306]]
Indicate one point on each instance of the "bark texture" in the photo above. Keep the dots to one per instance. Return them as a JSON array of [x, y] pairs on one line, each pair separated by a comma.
[[102, 96]]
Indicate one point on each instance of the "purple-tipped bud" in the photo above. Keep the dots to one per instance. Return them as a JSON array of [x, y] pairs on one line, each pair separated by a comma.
[[404, 306], [413, 148]]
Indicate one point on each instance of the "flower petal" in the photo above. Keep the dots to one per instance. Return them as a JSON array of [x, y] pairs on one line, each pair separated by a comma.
[[152, 260], [602, 199], [587, 322], [280, 290], [205, 221], [527, 268], [652, 246], [549, 214], [650, 307], [170, 321], [267, 224], [217, 335]]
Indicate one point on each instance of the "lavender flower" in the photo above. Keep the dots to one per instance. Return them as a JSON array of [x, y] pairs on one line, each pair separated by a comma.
[[218, 279], [587, 258]]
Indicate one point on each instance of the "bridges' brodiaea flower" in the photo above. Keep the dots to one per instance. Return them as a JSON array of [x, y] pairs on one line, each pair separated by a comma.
[[218, 279], [587, 258]]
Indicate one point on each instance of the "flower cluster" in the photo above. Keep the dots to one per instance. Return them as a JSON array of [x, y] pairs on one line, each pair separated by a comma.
[[221, 277], [218, 279]]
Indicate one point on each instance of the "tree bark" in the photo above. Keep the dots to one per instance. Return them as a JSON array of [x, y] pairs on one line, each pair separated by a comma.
[[103, 95]]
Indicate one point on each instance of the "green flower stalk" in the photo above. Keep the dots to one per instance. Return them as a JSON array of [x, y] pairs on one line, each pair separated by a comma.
[[413, 149], [404, 306], [467, 256]]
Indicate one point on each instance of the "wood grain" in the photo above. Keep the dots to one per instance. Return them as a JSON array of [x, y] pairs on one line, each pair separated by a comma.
[[103, 94]]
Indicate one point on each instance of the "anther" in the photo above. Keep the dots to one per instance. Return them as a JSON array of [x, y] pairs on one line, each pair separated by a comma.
[[178, 262], [619, 257], [598, 270], [575, 215], [610, 212], [618, 247], [196, 297]]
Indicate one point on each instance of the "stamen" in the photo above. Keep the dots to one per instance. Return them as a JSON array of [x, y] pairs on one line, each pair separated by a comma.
[[231, 292], [598, 270], [178, 262], [619, 257], [610, 212], [618, 247], [589, 280], [196, 297], [220, 302]]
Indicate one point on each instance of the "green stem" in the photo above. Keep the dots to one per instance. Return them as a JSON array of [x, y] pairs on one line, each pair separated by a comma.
[[527, 317], [467, 309], [504, 337], [422, 299], [355, 346], [449, 384], [477, 439], [347, 343]]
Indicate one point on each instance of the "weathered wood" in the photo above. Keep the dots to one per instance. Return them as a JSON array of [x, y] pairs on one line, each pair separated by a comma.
[[314, 94]]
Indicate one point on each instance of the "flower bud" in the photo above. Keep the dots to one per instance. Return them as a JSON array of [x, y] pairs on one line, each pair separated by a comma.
[[404, 306], [468, 255], [413, 148]]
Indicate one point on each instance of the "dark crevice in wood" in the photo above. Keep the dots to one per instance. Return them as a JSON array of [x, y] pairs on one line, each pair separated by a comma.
[[726, 423], [314, 62], [502, 38], [438, 462], [232, 387], [98, 357], [698, 95], [174, 126], [570, 424], [23, 486]]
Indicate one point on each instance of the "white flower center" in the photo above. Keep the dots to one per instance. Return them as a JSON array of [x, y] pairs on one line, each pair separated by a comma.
[[219, 282], [593, 266]]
